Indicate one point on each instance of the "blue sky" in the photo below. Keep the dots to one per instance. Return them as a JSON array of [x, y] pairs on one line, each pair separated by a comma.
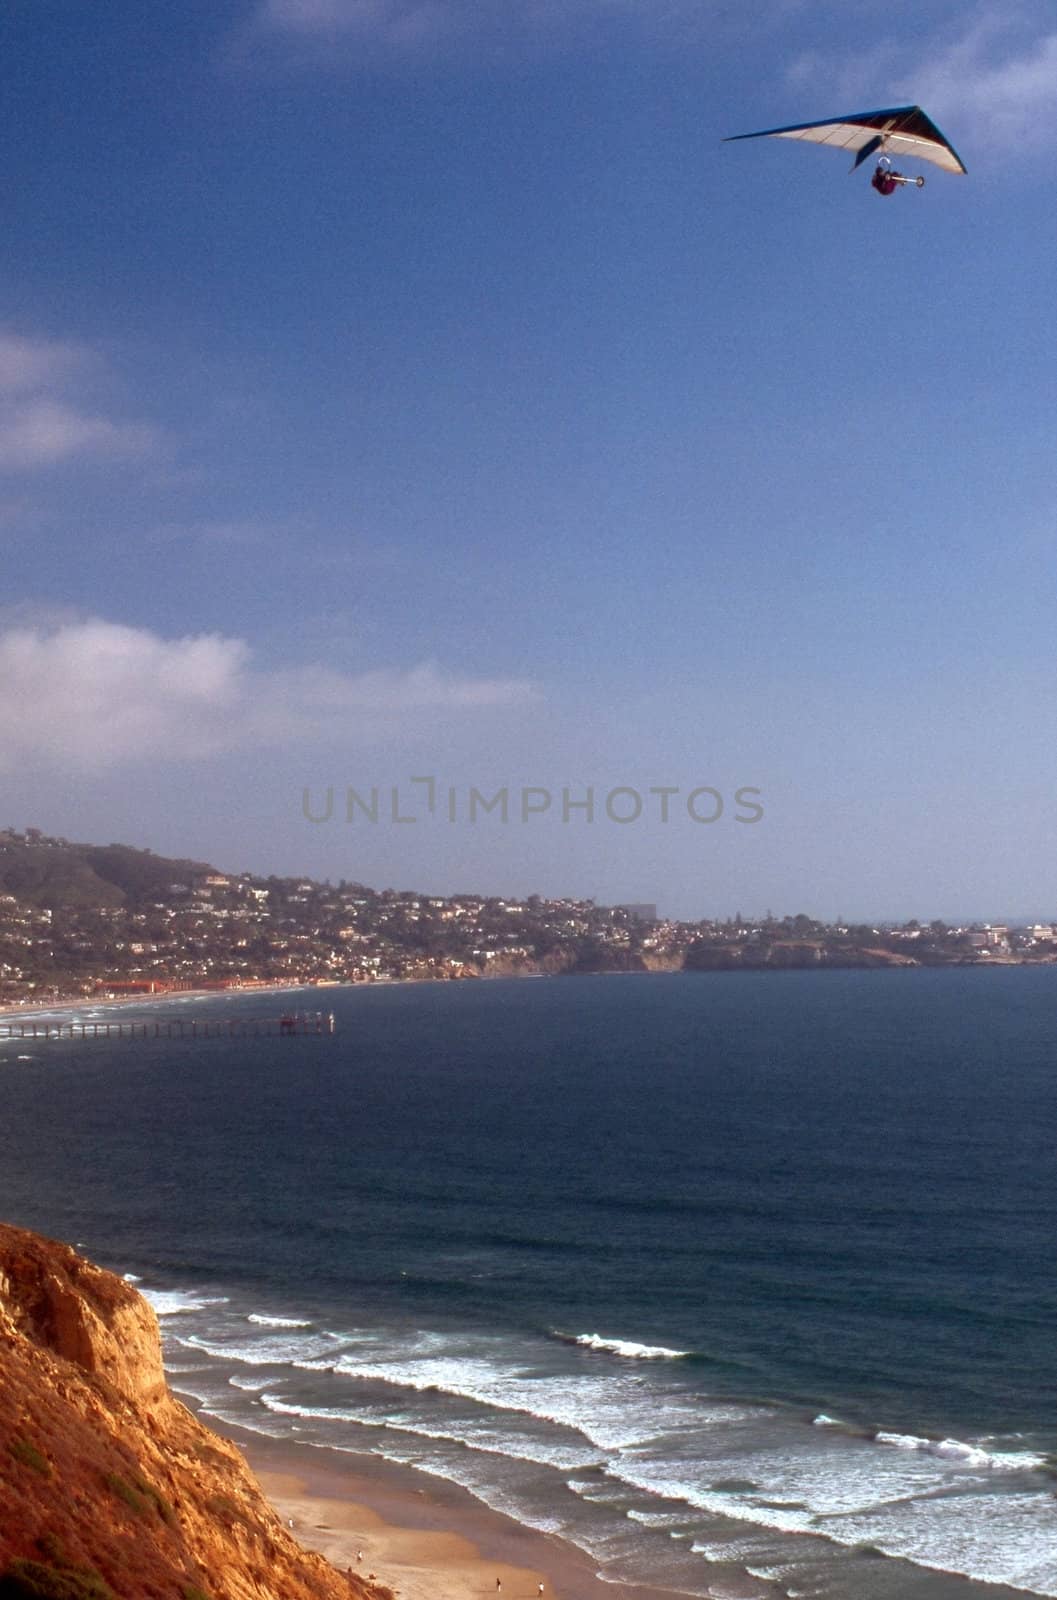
[[395, 389]]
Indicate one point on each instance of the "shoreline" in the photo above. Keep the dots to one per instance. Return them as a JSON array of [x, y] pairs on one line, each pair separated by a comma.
[[10, 1009], [428, 1539]]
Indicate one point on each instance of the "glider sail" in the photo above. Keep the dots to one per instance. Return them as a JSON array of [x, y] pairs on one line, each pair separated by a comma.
[[901, 130]]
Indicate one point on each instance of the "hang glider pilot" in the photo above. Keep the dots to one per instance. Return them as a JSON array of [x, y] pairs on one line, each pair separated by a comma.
[[884, 180]]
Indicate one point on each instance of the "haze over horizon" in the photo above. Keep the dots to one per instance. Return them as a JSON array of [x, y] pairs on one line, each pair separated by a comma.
[[392, 391]]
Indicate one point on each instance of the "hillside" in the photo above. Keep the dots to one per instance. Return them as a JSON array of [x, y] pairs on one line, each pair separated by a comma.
[[53, 873], [109, 1488], [80, 920]]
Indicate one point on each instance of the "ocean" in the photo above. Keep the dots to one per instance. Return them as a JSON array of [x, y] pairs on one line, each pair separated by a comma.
[[742, 1283]]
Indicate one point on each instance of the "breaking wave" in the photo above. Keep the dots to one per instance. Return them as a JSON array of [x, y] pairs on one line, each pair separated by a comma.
[[180, 1302], [627, 1348], [961, 1454]]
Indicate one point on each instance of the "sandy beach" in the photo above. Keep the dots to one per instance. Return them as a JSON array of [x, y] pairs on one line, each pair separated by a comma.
[[427, 1540], [12, 1010], [415, 1563]]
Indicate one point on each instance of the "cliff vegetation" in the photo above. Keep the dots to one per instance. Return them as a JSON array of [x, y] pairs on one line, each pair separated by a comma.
[[110, 1489]]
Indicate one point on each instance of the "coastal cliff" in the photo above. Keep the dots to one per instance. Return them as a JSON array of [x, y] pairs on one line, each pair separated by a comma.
[[110, 1489]]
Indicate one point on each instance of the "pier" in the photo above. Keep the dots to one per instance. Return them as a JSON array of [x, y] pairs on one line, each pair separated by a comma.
[[291, 1024]]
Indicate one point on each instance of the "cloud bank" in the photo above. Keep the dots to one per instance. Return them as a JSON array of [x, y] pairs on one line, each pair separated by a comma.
[[29, 364], [991, 85], [998, 81], [407, 26], [43, 422], [87, 695], [409, 21]]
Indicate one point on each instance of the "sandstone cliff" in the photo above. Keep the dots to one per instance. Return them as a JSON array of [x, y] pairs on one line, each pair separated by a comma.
[[108, 1486]]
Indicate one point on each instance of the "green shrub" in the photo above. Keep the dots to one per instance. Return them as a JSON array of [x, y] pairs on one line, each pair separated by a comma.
[[34, 1580], [225, 1509], [30, 1456], [125, 1491], [161, 1505], [140, 1496]]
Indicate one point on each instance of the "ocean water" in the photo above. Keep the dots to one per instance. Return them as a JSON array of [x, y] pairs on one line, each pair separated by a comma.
[[743, 1283]]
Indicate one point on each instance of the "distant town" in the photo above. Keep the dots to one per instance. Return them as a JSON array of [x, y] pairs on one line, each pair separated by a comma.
[[104, 921]]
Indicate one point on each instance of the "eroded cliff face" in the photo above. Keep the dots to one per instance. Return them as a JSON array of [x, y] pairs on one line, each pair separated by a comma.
[[108, 1485]]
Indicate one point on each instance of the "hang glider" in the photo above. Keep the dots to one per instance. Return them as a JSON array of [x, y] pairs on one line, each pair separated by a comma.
[[899, 131]]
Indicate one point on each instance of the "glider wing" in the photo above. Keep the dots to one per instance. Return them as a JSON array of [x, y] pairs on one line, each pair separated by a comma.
[[901, 130]]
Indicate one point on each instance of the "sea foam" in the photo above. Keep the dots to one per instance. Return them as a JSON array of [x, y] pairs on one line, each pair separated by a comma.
[[265, 1321], [309, 1350], [178, 1302], [506, 1443], [962, 1454], [627, 1348]]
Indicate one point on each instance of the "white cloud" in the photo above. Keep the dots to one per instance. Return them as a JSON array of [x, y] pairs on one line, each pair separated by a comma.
[[43, 423], [40, 433], [319, 691], [405, 25], [997, 82], [992, 87], [403, 20], [83, 695], [33, 363], [326, 16], [234, 533]]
